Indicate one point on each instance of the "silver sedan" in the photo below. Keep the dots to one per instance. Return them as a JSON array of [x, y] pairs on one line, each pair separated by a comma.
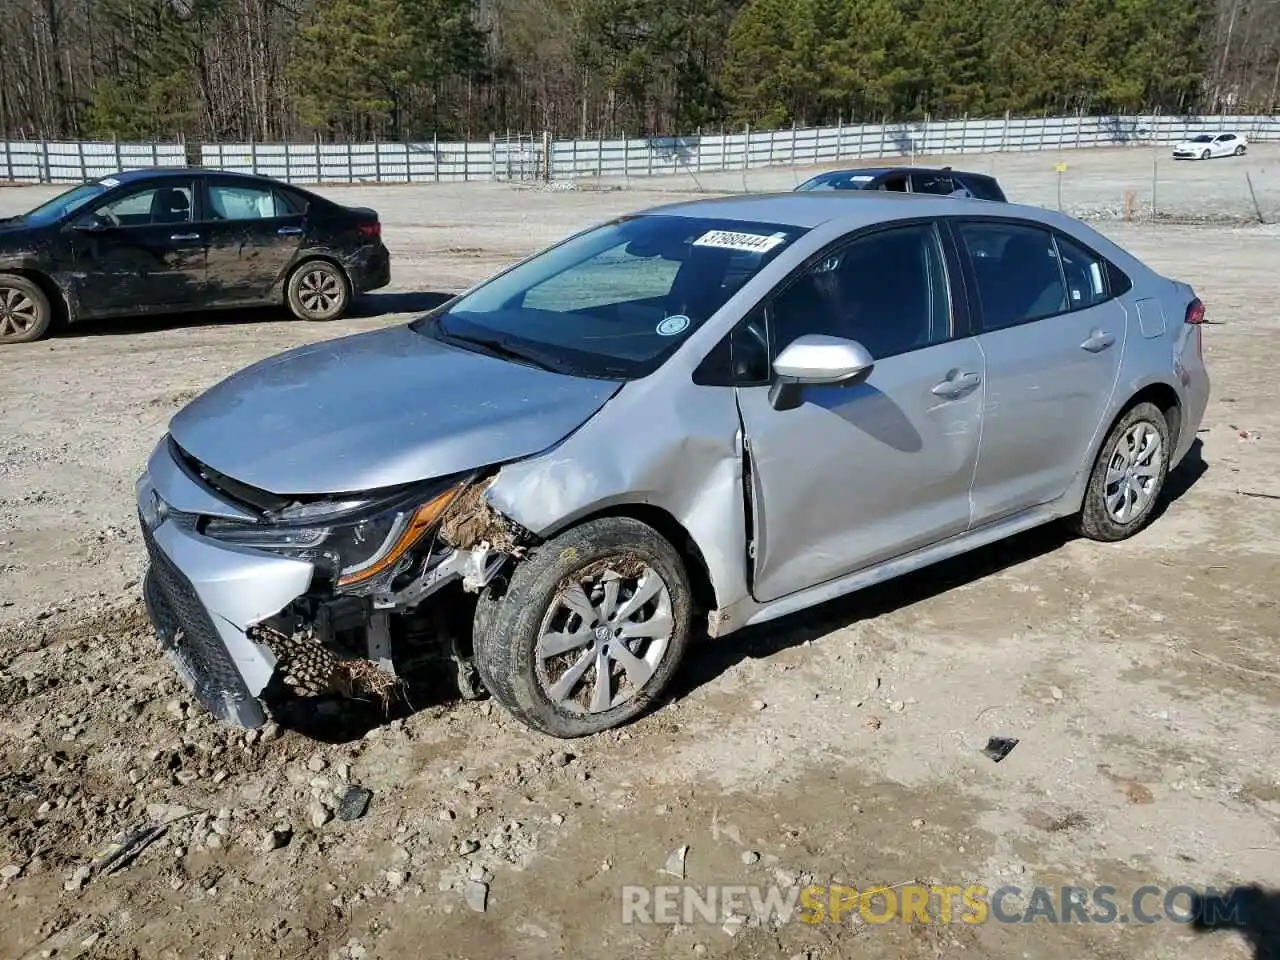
[[687, 420]]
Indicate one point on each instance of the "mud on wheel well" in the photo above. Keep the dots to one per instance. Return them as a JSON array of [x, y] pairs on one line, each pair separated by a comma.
[[704, 594], [1164, 397]]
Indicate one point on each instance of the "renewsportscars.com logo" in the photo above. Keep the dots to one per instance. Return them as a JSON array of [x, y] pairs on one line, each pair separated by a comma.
[[670, 904]]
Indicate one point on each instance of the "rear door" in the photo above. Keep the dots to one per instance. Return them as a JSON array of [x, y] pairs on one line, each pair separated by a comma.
[[255, 230], [1052, 338], [150, 253]]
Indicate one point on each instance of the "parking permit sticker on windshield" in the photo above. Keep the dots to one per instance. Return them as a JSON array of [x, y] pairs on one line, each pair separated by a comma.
[[748, 242], [673, 325]]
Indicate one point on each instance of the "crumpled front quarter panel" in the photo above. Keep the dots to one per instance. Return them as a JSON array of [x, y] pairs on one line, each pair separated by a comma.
[[650, 445]]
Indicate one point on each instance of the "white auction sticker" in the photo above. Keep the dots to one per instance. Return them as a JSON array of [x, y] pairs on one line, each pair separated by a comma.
[[109, 182], [861, 178], [749, 242]]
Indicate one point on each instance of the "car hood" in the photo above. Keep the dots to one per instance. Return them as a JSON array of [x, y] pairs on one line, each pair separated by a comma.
[[1190, 144], [379, 409]]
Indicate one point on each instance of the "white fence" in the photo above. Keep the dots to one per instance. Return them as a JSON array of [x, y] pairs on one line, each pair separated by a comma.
[[530, 157], [35, 161]]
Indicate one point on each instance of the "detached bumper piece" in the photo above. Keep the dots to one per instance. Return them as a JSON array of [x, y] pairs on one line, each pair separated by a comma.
[[188, 636]]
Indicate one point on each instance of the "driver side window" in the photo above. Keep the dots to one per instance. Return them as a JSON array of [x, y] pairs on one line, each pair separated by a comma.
[[887, 290], [169, 202]]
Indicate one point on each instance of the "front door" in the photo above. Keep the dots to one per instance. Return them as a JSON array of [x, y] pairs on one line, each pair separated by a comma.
[[254, 235], [1053, 340], [857, 475], [149, 256]]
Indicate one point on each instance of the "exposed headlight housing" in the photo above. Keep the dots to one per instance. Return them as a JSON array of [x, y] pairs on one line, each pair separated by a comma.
[[353, 542]]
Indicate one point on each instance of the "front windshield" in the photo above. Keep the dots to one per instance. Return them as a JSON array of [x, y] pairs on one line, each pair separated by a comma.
[[614, 302], [64, 204], [1203, 138], [837, 181]]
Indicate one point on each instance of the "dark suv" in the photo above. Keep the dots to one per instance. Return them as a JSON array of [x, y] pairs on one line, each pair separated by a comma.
[[945, 182]]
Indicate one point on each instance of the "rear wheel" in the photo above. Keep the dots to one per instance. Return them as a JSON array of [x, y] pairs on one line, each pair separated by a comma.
[[318, 291], [1240, 150], [589, 631], [25, 312], [1127, 477]]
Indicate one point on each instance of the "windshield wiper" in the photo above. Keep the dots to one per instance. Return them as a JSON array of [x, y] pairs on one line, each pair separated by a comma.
[[500, 348]]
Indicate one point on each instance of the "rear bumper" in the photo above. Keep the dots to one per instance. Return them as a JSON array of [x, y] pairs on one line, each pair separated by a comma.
[[370, 269]]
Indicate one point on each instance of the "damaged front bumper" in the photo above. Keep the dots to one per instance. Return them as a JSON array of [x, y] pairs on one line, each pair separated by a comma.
[[208, 600]]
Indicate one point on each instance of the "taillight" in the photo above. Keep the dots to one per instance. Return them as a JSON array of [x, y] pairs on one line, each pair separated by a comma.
[[1195, 317], [370, 231]]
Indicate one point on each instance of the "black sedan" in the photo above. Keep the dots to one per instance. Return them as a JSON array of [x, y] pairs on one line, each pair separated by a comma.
[[175, 240], [945, 182]]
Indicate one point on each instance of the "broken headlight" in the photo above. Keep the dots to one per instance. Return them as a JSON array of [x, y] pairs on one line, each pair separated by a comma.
[[350, 541]]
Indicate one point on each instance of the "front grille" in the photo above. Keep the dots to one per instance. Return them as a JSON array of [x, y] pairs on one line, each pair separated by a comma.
[[186, 631]]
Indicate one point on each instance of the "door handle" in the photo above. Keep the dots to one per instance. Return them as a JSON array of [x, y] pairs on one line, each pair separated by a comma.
[[185, 236], [1098, 341], [957, 383], [289, 231]]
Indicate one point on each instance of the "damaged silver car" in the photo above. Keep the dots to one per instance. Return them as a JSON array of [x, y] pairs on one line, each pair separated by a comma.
[[695, 418]]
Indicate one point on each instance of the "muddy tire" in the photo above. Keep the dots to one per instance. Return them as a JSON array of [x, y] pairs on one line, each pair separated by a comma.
[[588, 631], [25, 312], [318, 291], [1128, 476]]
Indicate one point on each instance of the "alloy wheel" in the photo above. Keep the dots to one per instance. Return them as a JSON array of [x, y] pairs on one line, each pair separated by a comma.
[[320, 292], [603, 638], [19, 314], [1133, 475]]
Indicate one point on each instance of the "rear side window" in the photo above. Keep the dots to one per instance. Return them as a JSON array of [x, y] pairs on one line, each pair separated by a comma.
[[1085, 274], [1015, 267], [241, 202], [984, 188], [939, 184]]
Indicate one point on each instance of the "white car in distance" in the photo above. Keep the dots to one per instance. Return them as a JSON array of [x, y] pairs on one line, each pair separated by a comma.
[[1208, 145]]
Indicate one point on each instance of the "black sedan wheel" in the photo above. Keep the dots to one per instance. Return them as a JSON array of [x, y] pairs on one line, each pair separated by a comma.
[[318, 291], [25, 314]]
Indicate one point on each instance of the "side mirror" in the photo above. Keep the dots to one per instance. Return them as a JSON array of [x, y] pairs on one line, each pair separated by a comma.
[[91, 223], [817, 360]]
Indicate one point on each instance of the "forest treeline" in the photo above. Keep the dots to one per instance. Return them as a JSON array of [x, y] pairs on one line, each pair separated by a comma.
[[408, 69]]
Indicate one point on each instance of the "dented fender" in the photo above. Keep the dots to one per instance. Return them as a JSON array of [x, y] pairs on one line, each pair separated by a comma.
[[697, 479]]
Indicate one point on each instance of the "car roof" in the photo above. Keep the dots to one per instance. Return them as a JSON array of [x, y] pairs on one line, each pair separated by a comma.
[[880, 171], [806, 210], [147, 173]]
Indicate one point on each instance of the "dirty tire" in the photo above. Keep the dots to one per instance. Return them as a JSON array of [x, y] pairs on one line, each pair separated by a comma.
[[1205, 155], [25, 312], [1095, 520], [318, 291], [509, 625]]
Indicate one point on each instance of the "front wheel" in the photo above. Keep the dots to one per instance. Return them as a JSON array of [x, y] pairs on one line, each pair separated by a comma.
[[1127, 477], [25, 312], [1205, 155], [318, 291], [589, 630]]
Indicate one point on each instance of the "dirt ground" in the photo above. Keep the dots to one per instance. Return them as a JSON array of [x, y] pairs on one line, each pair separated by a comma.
[[842, 746]]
